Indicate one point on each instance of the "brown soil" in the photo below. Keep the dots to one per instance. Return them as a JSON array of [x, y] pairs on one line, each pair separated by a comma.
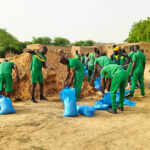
[[53, 80], [41, 127]]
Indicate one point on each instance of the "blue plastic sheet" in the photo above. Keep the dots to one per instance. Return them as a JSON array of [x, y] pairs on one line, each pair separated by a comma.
[[6, 106], [100, 106], [107, 99], [148, 86], [86, 110], [85, 71], [68, 97], [97, 83]]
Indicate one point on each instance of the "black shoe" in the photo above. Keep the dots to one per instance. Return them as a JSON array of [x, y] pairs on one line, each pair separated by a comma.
[[129, 96], [42, 98], [33, 100], [113, 111], [120, 108]]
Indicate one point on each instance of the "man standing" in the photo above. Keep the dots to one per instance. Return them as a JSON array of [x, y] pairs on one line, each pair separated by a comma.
[[77, 76], [91, 59], [118, 77], [77, 55], [6, 76], [38, 61], [137, 71]]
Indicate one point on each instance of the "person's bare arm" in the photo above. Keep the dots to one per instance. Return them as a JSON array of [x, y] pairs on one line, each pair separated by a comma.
[[133, 66], [47, 67], [73, 75], [126, 56], [103, 84], [16, 71], [68, 74], [109, 84], [95, 71], [30, 51]]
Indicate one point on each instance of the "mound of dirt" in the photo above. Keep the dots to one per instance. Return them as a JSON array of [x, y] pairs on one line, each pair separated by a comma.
[[53, 80]]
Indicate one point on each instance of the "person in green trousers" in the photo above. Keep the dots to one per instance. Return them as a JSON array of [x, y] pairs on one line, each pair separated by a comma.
[[91, 59], [6, 68], [77, 76], [118, 77], [77, 55], [137, 71], [38, 62]]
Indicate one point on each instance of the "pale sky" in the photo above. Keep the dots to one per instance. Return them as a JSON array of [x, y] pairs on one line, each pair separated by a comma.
[[98, 20]]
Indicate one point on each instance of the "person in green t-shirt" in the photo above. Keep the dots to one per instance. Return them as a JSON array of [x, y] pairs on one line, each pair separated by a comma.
[[118, 78], [77, 55], [6, 76], [38, 61], [123, 59], [137, 71], [77, 73], [91, 59], [82, 58]]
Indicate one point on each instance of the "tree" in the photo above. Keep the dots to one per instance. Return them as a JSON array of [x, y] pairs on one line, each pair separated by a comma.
[[139, 32], [59, 41], [8, 43], [84, 43], [42, 40]]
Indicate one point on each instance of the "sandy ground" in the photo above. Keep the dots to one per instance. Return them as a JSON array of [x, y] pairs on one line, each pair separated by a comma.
[[41, 127]]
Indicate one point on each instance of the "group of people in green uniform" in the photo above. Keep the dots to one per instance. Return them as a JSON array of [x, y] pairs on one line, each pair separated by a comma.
[[115, 72]]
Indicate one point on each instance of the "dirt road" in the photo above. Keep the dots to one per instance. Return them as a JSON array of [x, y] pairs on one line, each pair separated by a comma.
[[41, 127]]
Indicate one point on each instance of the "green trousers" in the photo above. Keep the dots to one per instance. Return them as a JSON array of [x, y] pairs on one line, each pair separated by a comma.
[[118, 82], [90, 72], [77, 83], [137, 77]]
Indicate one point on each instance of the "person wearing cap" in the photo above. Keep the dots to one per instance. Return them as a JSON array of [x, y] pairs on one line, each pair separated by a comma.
[[116, 56], [77, 55], [38, 61], [77, 74], [117, 77], [6, 68]]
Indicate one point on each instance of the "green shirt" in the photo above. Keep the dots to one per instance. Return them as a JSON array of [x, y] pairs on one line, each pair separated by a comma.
[[6, 68], [83, 59], [37, 64], [122, 59], [131, 54], [75, 64], [139, 58], [77, 56], [91, 59], [110, 70], [103, 61]]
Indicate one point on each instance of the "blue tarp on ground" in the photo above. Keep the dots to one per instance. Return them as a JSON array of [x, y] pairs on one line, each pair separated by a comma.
[[107, 100], [97, 83]]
